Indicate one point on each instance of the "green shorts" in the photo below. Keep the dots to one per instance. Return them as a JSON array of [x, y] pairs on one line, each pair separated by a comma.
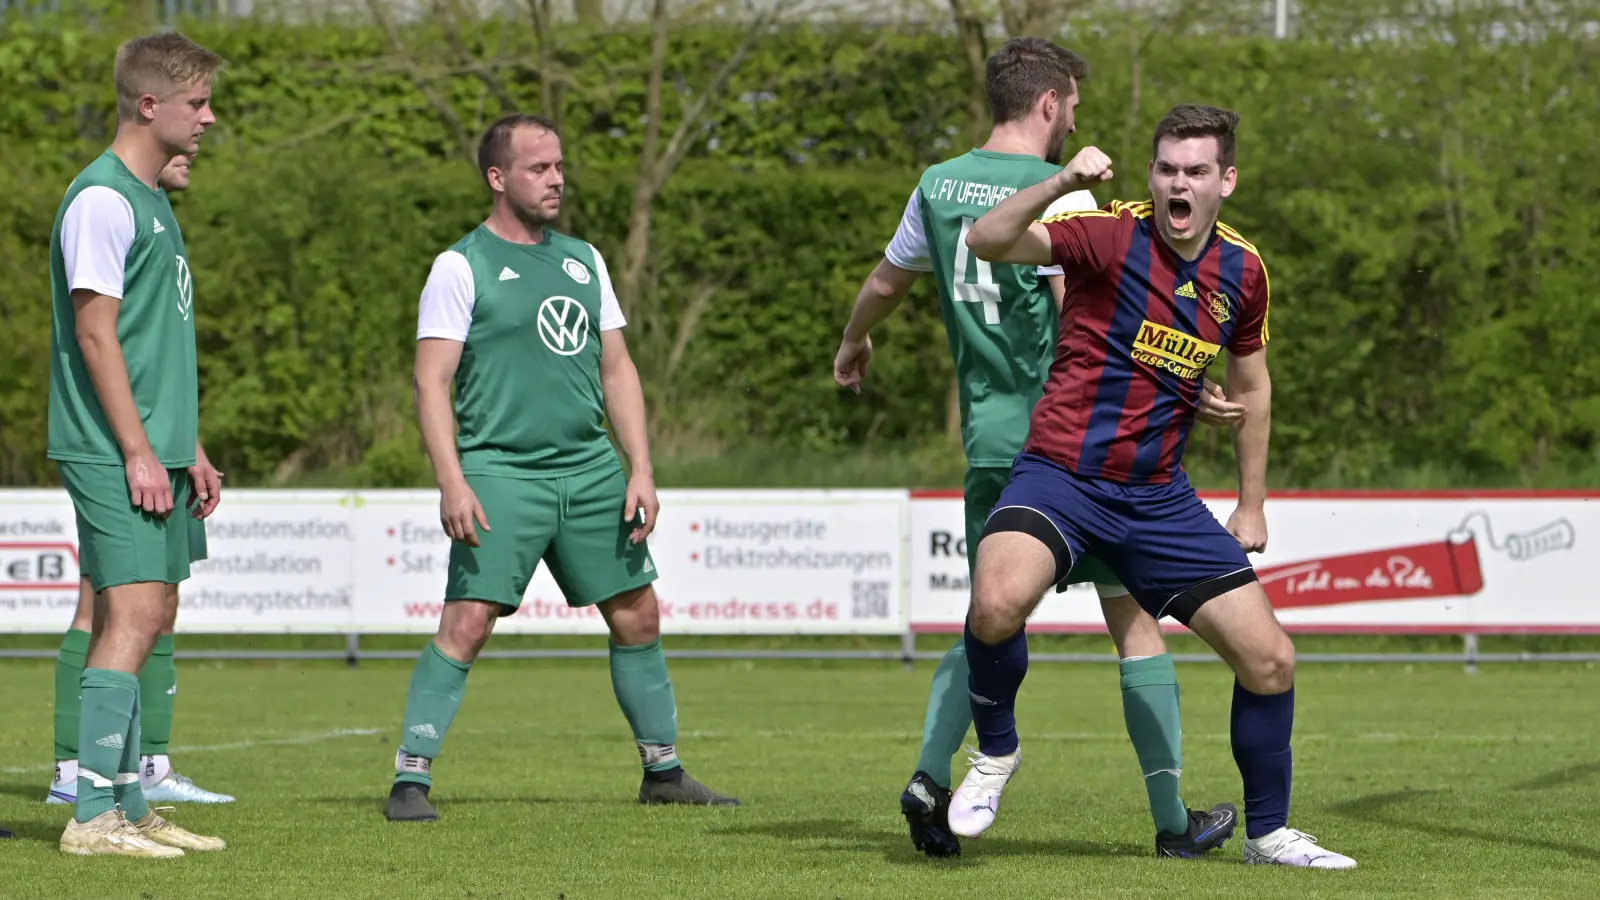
[[121, 544], [574, 523], [983, 487]]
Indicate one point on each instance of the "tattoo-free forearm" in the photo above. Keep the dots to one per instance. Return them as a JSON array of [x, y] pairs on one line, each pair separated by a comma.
[[108, 372], [998, 234], [624, 397], [880, 294], [1250, 442], [437, 422]]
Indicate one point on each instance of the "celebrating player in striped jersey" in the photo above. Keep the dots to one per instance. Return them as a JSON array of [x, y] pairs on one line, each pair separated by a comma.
[[1154, 292], [1001, 324]]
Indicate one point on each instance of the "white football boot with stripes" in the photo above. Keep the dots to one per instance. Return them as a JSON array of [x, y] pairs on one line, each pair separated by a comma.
[[974, 805], [177, 788], [1288, 847]]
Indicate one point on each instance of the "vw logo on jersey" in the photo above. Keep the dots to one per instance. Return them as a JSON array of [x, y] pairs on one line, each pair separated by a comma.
[[578, 271], [185, 288], [563, 325]]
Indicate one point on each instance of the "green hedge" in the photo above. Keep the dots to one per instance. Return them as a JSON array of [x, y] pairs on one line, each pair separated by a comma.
[[1427, 210]]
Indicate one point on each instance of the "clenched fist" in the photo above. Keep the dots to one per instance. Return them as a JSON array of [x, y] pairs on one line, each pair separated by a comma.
[[1087, 169]]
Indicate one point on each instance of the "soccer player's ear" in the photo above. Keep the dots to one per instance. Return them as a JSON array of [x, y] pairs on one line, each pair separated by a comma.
[[1230, 179]]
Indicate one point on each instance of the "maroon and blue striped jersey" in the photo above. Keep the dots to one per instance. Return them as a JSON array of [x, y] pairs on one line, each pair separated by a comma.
[[1139, 326]]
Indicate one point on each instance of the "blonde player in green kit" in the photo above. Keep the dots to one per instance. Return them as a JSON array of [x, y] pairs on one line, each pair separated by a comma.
[[524, 322], [124, 422], [1001, 322], [158, 678]]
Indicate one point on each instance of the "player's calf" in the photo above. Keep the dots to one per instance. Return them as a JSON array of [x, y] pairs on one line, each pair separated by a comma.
[[434, 695], [644, 692]]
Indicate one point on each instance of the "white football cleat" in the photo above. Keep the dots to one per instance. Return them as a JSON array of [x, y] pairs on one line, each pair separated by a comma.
[[975, 803], [1288, 847], [64, 786], [176, 788]]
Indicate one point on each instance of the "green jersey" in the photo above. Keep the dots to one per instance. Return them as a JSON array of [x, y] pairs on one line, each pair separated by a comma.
[[116, 236], [528, 399], [1000, 319]]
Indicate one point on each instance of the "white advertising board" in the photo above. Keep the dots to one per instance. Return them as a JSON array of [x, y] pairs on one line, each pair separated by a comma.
[[729, 562], [1411, 562], [834, 562]]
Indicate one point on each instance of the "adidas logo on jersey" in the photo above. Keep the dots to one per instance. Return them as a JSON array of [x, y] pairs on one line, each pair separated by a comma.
[[506, 274], [159, 229], [111, 742], [1187, 290]]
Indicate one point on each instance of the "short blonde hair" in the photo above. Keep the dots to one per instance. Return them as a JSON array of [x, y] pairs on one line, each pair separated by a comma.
[[160, 64]]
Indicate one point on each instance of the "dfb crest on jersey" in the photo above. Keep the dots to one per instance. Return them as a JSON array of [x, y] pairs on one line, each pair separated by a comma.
[[1219, 307], [578, 271]]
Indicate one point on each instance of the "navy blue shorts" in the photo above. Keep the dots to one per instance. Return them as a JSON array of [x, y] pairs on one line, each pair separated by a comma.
[[1169, 550]]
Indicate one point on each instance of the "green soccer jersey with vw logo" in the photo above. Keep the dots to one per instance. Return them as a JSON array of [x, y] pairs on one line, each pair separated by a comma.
[[528, 399], [116, 236]]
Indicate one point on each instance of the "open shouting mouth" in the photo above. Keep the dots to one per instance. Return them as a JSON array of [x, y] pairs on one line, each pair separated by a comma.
[[1178, 213]]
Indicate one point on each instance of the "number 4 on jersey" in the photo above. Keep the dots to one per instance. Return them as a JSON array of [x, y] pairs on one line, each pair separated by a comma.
[[985, 291]]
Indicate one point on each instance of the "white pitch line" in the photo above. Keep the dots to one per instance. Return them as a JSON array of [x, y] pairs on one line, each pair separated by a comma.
[[314, 738]]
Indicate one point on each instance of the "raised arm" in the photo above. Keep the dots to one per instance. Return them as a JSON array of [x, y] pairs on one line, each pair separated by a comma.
[[1011, 231]]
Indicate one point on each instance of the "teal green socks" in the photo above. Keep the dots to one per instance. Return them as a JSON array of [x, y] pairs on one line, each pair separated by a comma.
[[69, 674], [639, 678], [431, 703], [108, 745], [1150, 706], [158, 691], [949, 715]]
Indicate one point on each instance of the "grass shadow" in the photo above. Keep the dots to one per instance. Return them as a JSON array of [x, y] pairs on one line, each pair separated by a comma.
[[1559, 778], [841, 835], [1388, 809]]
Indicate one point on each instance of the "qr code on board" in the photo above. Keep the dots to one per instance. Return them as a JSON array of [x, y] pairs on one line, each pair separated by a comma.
[[869, 599]]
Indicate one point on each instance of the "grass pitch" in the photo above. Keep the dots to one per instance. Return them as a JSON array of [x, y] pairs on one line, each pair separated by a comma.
[[1438, 782]]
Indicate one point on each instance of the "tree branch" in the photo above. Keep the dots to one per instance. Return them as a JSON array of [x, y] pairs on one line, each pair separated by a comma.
[[448, 15], [679, 144], [441, 106]]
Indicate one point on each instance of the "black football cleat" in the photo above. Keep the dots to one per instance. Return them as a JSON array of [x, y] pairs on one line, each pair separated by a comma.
[[678, 787], [1207, 831], [408, 802], [926, 807]]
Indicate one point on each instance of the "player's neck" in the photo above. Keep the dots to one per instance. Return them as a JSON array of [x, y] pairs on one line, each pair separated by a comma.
[[508, 226], [1014, 137], [144, 157], [1193, 248]]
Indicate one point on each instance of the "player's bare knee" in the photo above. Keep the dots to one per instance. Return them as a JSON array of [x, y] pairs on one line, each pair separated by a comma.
[[1272, 671], [465, 627], [634, 617], [999, 606]]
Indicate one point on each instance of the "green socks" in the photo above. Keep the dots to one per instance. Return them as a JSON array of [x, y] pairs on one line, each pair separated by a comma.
[[949, 715], [69, 672], [431, 704], [158, 690], [639, 678], [108, 746], [1150, 706]]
